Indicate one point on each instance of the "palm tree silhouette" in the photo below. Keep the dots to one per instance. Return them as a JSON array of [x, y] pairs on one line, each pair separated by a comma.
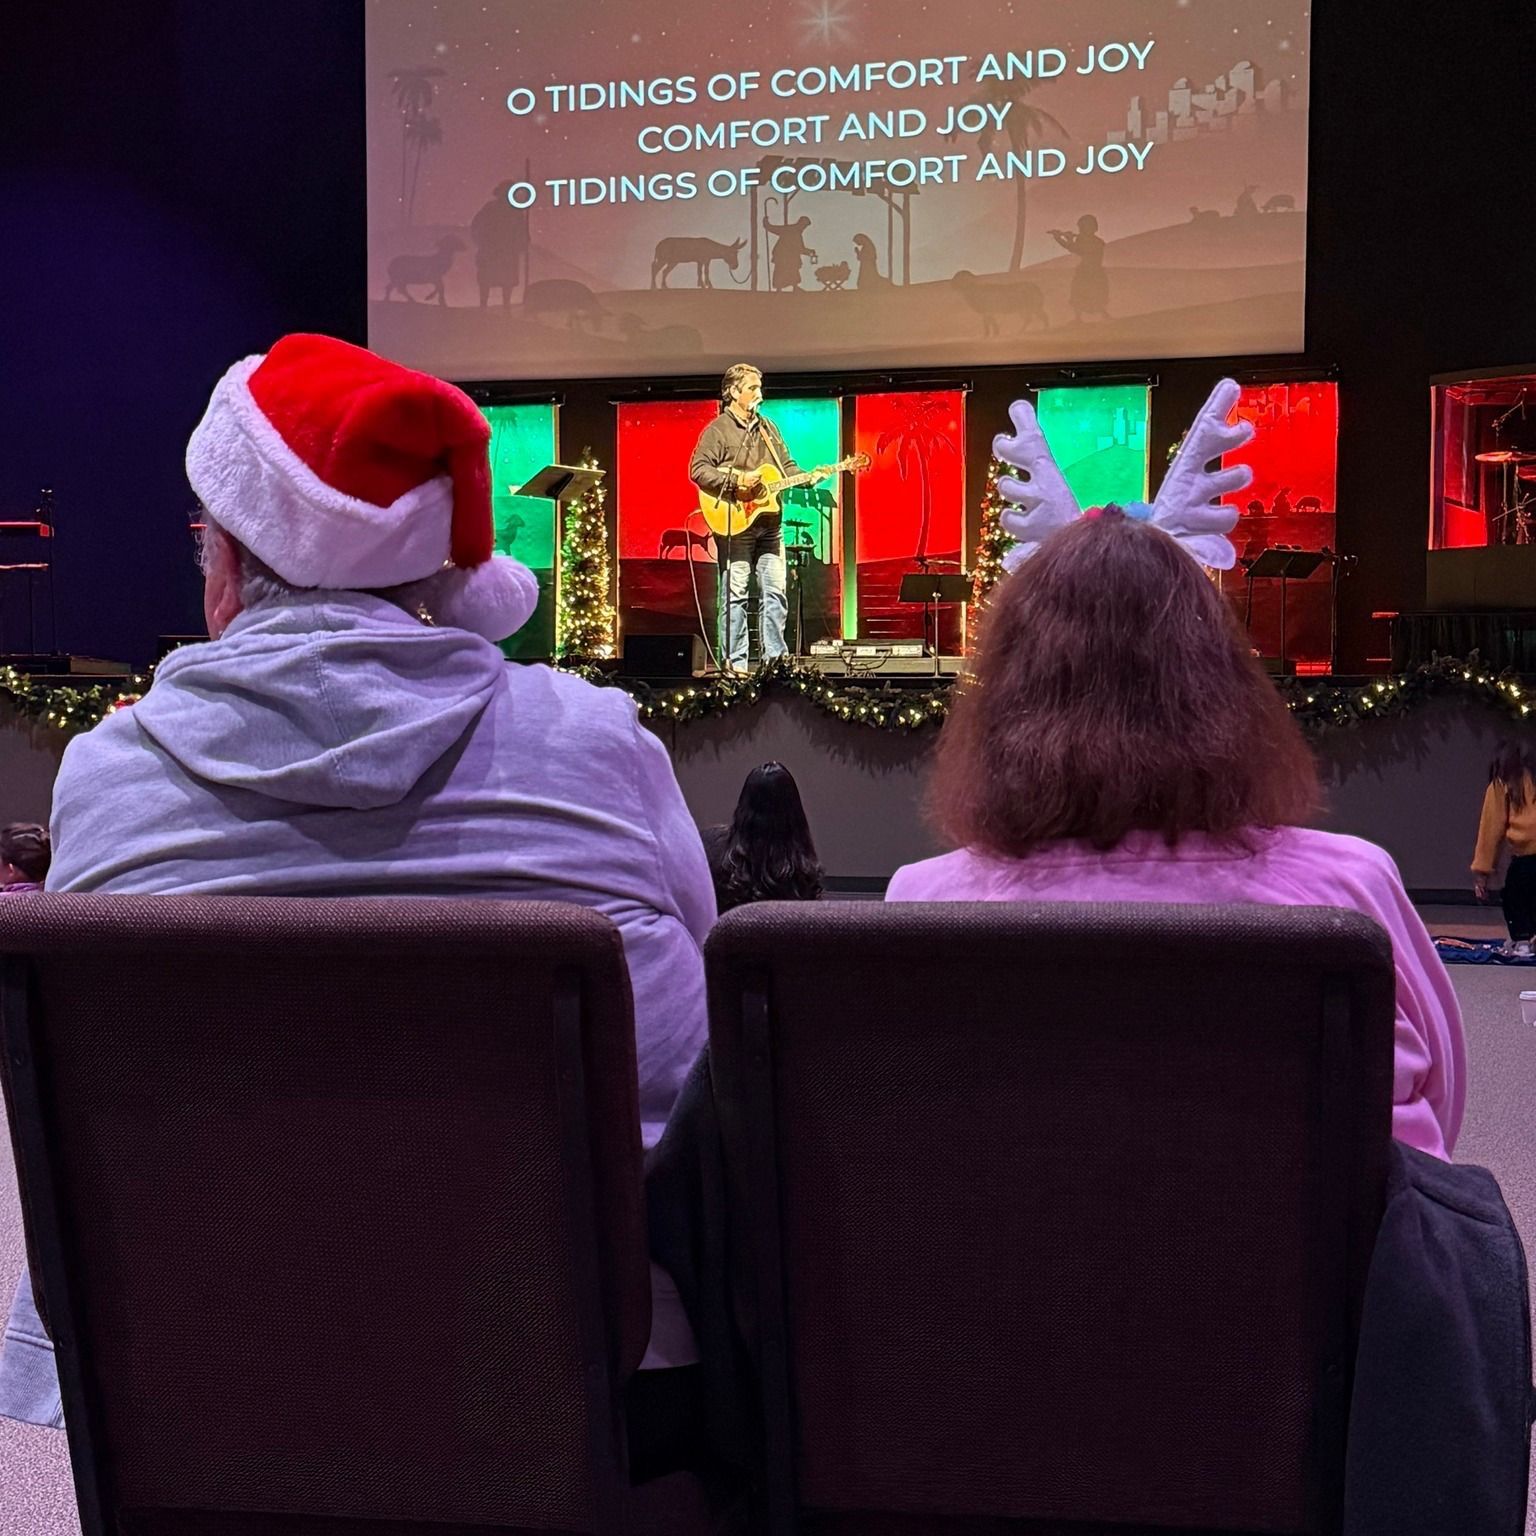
[[421, 133], [914, 444], [1025, 125], [414, 91]]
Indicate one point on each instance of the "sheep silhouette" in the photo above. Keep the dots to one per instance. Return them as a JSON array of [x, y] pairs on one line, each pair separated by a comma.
[[408, 271], [990, 300], [561, 296]]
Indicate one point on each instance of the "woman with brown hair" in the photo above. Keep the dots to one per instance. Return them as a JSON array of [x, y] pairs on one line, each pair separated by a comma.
[[1116, 740]]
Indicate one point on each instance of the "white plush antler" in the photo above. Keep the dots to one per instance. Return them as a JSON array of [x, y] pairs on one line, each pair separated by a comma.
[[1041, 502], [1187, 502]]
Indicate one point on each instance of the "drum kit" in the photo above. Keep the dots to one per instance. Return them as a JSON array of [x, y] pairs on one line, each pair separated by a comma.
[[1515, 520]]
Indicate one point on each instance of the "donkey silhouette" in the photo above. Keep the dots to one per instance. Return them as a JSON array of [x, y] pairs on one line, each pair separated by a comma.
[[680, 250]]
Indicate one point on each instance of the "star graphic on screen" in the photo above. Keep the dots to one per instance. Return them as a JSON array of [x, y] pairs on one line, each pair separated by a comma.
[[827, 21]]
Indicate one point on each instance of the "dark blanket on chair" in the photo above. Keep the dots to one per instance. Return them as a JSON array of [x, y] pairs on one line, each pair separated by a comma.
[[1439, 1426], [686, 1204]]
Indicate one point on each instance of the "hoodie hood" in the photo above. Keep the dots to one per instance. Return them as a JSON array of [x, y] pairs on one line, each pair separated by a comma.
[[333, 699]]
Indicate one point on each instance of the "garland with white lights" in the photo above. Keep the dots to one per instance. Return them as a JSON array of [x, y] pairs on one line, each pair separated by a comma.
[[1319, 705]]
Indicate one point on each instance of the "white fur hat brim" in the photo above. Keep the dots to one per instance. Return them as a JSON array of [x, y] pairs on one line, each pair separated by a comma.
[[259, 491]]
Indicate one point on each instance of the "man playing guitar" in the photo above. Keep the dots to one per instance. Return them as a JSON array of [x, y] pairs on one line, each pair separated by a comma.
[[726, 458]]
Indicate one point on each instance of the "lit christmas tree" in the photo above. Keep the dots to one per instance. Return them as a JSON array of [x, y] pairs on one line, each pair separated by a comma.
[[584, 628], [992, 543]]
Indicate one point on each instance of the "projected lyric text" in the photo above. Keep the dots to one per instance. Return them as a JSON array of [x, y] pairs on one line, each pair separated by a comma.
[[846, 126]]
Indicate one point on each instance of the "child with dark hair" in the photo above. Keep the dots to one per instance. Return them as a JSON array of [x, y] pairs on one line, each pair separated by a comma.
[[1509, 818], [766, 853], [25, 855]]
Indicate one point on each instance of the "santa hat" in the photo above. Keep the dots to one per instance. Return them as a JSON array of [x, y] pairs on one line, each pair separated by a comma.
[[340, 469]]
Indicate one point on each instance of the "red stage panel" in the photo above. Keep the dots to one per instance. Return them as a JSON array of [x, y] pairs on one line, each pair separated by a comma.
[[1291, 501], [666, 557], [910, 505]]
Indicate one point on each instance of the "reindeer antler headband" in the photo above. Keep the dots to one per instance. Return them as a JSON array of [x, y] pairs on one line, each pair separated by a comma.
[[1187, 506]]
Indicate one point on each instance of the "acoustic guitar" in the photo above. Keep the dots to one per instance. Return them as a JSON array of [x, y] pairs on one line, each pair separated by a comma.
[[726, 515]]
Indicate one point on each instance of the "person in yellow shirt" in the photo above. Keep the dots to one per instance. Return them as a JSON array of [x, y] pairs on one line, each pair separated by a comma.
[[1509, 817]]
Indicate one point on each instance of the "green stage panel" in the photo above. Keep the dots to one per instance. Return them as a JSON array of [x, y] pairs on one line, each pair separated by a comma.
[[1098, 435], [524, 438], [813, 432]]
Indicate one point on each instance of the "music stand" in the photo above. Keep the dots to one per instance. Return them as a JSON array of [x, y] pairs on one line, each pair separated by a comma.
[[797, 551], [561, 482], [932, 588], [1285, 566], [39, 526]]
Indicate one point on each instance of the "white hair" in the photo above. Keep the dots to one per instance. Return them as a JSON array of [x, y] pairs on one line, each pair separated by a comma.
[[260, 585]]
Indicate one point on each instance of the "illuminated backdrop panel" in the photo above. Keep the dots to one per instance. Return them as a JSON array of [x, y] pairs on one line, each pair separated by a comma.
[[1098, 436], [911, 509], [524, 439], [1292, 501]]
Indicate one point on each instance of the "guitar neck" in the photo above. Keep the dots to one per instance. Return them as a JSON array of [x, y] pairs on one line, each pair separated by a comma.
[[789, 482]]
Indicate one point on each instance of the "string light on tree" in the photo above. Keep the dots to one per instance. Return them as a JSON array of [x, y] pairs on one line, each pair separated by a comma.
[[992, 542], [585, 627]]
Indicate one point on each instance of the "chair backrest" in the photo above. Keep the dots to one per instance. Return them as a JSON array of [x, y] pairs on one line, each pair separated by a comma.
[[338, 1206], [1057, 1212]]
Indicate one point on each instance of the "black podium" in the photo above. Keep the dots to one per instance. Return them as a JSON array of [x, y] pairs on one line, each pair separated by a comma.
[[1285, 566], [561, 482]]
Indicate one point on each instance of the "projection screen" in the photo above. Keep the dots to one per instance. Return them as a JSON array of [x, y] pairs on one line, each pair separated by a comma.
[[626, 189]]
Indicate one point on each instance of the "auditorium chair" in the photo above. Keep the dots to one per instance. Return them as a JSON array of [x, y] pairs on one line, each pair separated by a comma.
[[338, 1210], [1057, 1217]]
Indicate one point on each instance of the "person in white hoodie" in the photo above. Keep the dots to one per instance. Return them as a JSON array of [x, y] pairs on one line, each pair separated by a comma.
[[351, 728]]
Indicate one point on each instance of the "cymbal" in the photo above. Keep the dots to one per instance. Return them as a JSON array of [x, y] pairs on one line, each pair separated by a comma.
[[790, 522], [1528, 473], [1505, 456]]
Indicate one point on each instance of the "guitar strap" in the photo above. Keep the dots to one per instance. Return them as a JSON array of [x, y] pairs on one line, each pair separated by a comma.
[[775, 444]]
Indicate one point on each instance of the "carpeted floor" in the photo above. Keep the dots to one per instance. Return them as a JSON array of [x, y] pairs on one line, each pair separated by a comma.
[[37, 1499]]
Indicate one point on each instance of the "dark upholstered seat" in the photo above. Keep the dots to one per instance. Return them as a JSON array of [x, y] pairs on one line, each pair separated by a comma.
[[338, 1211], [1059, 1215]]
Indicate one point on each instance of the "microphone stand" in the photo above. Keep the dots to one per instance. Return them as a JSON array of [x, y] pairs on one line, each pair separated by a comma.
[[1500, 422]]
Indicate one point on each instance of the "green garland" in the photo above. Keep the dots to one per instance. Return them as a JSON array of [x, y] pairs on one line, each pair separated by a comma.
[[1321, 706], [1318, 704], [886, 708], [70, 708]]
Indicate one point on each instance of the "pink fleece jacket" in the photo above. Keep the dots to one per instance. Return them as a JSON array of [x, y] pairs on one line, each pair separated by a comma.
[[1290, 866]]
